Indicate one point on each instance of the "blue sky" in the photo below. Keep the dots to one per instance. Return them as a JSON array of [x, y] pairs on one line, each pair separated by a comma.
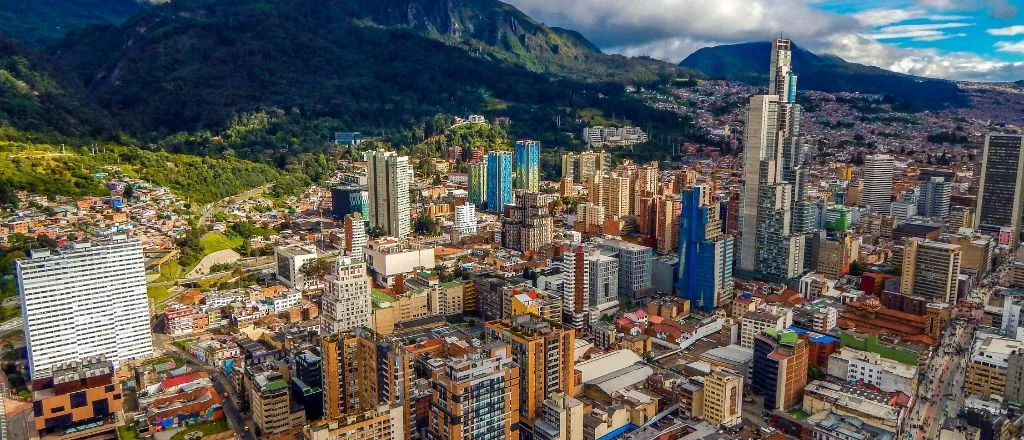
[[978, 40]]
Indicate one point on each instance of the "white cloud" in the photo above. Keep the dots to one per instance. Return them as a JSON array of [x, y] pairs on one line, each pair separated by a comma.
[[1010, 46], [997, 8], [920, 32], [922, 62], [939, 37], [670, 49], [876, 17], [1008, 31]]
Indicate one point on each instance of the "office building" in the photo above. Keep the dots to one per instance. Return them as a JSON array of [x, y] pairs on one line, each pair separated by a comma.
[[355, 234], [388, 177], [855, 366], [1000, 195], [574, 287], [753, 323], [988, 365], [543, 351], [350, 374], [465, 219], [290, 261], [645, 183], [561, 418], [348, 199], [478, 183], [878, 173], [475, 396], [666, 226], [770, 247], [930, 269], [527, 172], [270, 403], [705, 253], [499, 180], [934, 199], [345, 304], [635, 263], [616, 197], [83, 301], [76, 400], [386, 422], [723, 397], [527, 225], [779, 369], [604, 279]]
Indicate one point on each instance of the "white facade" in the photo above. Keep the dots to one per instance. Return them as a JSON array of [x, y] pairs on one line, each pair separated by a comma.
[[392, 259], [289, 266], [388, 177], [754, 322], [85, 300], [878, 172], [854, 365], [903, 210], [465, 219], [346, 301]]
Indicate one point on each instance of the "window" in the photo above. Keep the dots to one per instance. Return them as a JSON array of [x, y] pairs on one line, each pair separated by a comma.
[[78, 399]]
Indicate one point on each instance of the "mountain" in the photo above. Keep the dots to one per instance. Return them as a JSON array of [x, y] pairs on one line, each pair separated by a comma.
[[748, 62], [44, 22], [40, 97], [193, 65]]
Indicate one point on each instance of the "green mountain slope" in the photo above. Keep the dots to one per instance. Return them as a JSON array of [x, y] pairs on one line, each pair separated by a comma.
[[44, 22], [200, 64], [40, 97], [748, 62]]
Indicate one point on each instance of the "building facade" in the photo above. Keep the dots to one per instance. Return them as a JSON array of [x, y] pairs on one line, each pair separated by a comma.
[[779, 369], [527, 172], [878, 172], [499, 180], [388, 177], [1002, 180], [345, 304], [705, 253]]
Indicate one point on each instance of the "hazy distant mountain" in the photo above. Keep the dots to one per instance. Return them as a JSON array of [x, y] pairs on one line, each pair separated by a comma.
[[44, 22], [748, 62]]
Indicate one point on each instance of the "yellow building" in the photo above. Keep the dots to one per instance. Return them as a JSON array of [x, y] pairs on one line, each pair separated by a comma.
[[987, 366], [383, 423], [930, 269], [561, 418], [723, 397], [350, 375], [490, 410]]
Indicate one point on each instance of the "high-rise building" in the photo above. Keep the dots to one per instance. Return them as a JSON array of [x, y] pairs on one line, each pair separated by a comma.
[[645, 183], [350, 377], [705, 253], [616, 196], [934, 198], [988, 365], [478, 183], [527, 225], [561, 418], [499, 180], [475, 396], [635, 262], [1001, 188], [877, 177], [544, 352], [575, 287], [527, 173], [83, 301], [355, 234], [590, 163], [604, 279], [348, 199], [388, 177], [569, 171], [779, 368], [346, 301], [465, 219], [931, 269], [770, 246], [723, 397]]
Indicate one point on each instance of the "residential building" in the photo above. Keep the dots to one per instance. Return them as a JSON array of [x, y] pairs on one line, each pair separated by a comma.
[[590, 163], [290, 261], [270, 404], [527, 171], [934, 199], [350, 368], [388, 258], [575, 287], [878, 172], [382, 423], [355, 234], [988, 365], [779, 369], [478, 183], [705, 253], [603, 284], [83, 301], [561, 418], [1002, 181], [475, 396], [666, 227], [930, 269], [345, 304], [852, 366], [527, 225], [543, 351], [499, 180], [723, 397], [388, 177], [465, 219], [754, 323], [871, 407], [635, 267]]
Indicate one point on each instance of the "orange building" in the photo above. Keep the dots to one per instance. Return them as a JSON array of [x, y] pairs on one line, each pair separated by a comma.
[[81, 397]]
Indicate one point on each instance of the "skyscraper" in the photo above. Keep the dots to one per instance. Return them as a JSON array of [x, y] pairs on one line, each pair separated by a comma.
[[349, 374], [84, 300], [528, 225], [770, 246], [590, 163], [705, 253], [575, 287], [355, 235], [475, 396], [1001, 188], [930, 269], [346, 301], [934, 198], [388, 177], [527, 166], [478, 183], [878, 172], [499, 180], [348, 199], [635, 262], [465, 219], [779, 368]]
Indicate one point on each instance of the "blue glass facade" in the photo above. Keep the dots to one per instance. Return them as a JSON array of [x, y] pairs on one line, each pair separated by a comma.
[[499, 180], [705, 264], [527, 166]]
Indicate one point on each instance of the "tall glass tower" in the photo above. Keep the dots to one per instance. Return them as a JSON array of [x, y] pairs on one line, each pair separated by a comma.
[[527, 166], [499, 180]]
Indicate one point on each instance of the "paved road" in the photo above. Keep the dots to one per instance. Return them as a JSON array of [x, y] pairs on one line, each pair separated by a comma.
[[11, 324]]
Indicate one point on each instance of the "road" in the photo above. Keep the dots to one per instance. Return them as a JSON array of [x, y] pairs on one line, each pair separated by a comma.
[[10, 324], [210, 209]]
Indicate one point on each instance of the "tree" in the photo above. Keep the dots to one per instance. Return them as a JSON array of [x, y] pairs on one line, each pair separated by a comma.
[[814, 372], [856, 268], [426, 225]]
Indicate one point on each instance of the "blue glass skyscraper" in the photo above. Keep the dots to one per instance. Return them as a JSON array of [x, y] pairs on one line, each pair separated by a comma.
[[705, 253], [499, 180], [527, 166]]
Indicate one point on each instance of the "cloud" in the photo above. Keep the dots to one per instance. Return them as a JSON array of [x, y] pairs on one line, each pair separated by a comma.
[[876, 17], [922, 62], [1002, 9], [919, 32], [669, 49], [1010, 46], [1008, 31]]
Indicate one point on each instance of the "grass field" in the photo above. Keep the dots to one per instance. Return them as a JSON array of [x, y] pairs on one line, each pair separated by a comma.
[[9, 312], [125, 432], [215, 241], [158, 293]]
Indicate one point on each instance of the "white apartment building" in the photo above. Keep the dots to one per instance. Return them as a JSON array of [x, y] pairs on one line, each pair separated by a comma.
[[387, 257], [465, 219], [84, 300], [289, 266], [853, 365], [346, 301], [388, 177], [878, 172], [754, 322]]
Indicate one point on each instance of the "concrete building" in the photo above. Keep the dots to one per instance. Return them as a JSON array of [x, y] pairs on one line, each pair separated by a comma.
[[870, 407], [1002, 181], [723, 397], [705, 252], [388, 258], [527, 225], [289, 263], [345, 304], [988, 365], [465, 219], [83, 301], [386, 422], [754, 323], [561, 418], [603, 284], [852, 365], [354, 226], [934, 199], [574, 288], [878, 172], [475, 396], [388, 177], [930, 269], [779, 369], [591, 163], [499, 180], [76, 400], [666, 227], [635, 262], [350, 380], [270, 404]]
